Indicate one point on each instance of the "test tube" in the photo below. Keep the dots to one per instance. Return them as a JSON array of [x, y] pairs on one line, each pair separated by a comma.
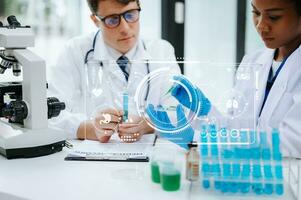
[[244, 151], [268, 171], [206, 174], [246, 169], [257, 171], [236, 170], [216, 170], [257, 188], [125, 107], [206, 184], [268, 189], [245, 187], [276, 142], [234, 187], [205, 169], [279, 189], [263, 139], [204, 141], [226, 170], [278, 172], [217, 185], [213, 139]]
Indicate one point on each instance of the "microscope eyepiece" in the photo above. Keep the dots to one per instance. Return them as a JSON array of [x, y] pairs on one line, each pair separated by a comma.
[[12, 21]]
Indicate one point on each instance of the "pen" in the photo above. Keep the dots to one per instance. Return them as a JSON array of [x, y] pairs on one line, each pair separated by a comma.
[[155, 140], [117, 159]]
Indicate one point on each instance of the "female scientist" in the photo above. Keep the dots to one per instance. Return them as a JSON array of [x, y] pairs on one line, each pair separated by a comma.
[[112, 61], [277, 101]]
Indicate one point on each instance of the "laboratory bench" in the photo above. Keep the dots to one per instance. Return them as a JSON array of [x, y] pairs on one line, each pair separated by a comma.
[[51, 177]]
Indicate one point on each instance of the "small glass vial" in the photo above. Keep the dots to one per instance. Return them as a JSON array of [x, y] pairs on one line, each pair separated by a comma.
[[192, 162]]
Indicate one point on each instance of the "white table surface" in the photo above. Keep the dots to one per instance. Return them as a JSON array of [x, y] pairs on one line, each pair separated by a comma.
[[52, 178]]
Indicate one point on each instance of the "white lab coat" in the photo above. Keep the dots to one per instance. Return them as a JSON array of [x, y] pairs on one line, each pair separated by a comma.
[[283, 106], [67, 79]]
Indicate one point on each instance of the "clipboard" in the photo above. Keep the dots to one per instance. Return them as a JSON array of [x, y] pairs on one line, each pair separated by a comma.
[[114, 151]]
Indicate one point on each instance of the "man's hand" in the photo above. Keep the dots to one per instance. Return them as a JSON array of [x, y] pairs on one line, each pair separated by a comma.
[[133, 130], [106, 123]]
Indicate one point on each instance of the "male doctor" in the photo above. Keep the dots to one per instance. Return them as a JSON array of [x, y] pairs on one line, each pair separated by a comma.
[[123, 58]]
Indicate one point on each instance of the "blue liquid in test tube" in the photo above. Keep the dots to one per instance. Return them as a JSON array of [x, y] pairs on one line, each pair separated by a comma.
[[279, 189], [246, 170], [257, 171], [216, 170], [236, 170], [263, 139], [245, 187], [205, 169], [268, 171], [234, 187], [204, 141], [253, 139], [217, 185], [206, 184], [278, 172], [257, 188], [225, 186], [276, 142], [266, 154], [275, 138], [268, 189], [125, 107], [226, 170], [213, 139]]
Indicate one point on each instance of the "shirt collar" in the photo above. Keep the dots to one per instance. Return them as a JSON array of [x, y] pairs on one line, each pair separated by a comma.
[[116, 54]]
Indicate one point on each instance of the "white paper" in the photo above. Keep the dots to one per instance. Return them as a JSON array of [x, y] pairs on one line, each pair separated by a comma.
[[115, 148]]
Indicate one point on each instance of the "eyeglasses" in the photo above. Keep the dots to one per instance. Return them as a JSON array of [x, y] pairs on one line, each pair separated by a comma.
[[112, 21]]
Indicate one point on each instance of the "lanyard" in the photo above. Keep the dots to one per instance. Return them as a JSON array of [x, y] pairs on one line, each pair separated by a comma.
[[271, 81]]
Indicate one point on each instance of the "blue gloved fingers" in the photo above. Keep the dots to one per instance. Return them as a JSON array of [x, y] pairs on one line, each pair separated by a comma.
[[162, 116], [181, 118], [176, 90], [186, 93], [152, 113], [159, 118], [185, 82], [205, 104]]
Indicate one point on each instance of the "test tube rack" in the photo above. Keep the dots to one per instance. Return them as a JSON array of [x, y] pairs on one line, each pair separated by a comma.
[[246, 163]]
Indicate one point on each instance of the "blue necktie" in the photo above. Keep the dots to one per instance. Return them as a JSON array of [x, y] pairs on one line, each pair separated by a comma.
[[122, 62]]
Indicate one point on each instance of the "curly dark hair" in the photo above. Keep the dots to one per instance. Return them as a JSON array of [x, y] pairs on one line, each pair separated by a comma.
[[93, 4]]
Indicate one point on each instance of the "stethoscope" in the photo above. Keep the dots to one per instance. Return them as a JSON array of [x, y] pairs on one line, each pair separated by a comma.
[[101, 63]]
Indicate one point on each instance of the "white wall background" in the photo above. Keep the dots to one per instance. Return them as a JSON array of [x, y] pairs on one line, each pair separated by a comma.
[[210, 40], [69, 18], [210, 35]]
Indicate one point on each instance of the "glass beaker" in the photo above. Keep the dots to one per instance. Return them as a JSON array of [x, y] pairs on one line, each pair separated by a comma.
[[166, 168]]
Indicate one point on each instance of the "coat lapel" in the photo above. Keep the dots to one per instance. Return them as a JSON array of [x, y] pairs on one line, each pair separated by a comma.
[[280, 86], [261, 74]]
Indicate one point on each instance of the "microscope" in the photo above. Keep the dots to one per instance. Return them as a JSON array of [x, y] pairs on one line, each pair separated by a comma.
[[24, 106]]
